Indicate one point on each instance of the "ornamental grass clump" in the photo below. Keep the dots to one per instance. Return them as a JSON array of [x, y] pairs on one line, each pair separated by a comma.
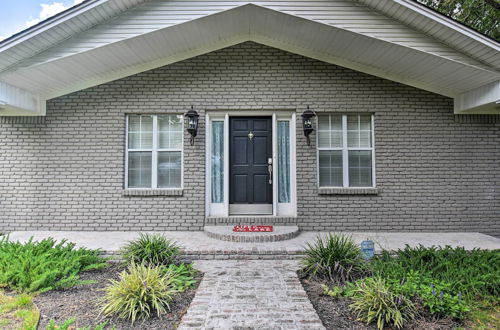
[[374, 302], [335, 258], [151, 249], [44, 265], [142, 290]]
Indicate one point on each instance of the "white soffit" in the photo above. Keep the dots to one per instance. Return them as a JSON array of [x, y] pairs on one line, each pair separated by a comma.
[[183, 29]]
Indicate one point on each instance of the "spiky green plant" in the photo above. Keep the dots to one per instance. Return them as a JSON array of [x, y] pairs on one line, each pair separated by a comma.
[[373, 301], [140, 291], [44, 265], [151, 249], [335, 258]]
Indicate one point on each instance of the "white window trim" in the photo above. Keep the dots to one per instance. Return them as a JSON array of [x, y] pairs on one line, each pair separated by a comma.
[[154, 150], [345, 151]]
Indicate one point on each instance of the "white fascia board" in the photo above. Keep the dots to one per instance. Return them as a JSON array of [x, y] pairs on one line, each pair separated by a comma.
[[15, 101], [443, 20], [481, 100], [53, 22]]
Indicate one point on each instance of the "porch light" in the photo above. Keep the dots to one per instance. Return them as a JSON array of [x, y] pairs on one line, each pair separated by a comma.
[[308, 124], [192, 127]]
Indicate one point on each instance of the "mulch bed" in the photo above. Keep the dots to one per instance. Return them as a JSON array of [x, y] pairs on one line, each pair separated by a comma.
[[80, 302], [335, 313]]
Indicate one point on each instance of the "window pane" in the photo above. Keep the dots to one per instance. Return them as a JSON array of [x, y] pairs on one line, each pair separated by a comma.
[[330, 131], [324, 131], [140, 132], [330, 168], [169, 169], [365, 122], [170, 131], [217, 162], [283, 162], [359, 131], [139, 169], [360, 168]]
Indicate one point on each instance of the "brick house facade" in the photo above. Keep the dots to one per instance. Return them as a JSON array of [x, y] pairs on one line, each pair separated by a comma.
[[435, 170]]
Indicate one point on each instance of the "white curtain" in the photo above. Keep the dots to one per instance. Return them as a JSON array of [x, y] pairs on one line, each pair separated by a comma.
[[217, 162], [283, 162]]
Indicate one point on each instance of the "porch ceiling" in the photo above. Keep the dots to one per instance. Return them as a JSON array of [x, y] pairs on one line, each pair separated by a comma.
[[476, 88]]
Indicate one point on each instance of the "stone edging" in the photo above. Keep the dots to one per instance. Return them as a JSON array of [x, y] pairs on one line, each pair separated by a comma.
[[115, 256]]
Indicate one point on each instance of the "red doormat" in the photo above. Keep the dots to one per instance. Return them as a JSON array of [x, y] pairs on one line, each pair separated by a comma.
[[246, 228]]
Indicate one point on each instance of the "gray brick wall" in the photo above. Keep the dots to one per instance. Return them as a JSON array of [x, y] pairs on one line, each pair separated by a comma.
[[434, 172]]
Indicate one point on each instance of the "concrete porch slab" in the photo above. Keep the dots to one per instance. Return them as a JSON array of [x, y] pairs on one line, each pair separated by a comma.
[[197, 245]]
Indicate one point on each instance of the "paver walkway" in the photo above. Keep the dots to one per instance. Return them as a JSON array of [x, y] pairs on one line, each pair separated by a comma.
[[250, 294]]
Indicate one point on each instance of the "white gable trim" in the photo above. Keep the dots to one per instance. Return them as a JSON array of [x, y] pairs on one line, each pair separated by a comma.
[[249, 22]]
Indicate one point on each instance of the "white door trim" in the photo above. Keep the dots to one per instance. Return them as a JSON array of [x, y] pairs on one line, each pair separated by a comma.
[[223, 209]]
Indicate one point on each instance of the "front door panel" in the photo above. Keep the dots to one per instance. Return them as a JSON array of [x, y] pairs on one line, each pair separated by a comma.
[[250, 148]]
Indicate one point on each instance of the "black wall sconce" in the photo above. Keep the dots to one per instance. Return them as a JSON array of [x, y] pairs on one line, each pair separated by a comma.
[[308, 124], [192, 127]]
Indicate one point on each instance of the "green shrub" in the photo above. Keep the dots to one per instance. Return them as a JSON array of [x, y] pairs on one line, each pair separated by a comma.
[[437, 296], [154, 249], [335, 258], [45, 265], [469, 273], [141, 290], [373, 301], [182, 276]]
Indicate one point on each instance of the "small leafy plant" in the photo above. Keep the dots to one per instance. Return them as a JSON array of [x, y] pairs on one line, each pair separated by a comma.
[[68, 325], [373, 301], [140, 291], [151, 249], [182, 276], [437, 296], [44, 265], [335, 258]]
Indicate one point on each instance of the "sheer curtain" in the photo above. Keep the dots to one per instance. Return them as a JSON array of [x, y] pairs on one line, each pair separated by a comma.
[[283, 162], [217, 162]]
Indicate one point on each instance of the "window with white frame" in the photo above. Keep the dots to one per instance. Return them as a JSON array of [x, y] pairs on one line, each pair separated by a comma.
[[345, 150], [154, 151]]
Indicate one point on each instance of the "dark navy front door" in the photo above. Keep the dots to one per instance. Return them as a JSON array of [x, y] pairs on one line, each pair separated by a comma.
[[250, 166]]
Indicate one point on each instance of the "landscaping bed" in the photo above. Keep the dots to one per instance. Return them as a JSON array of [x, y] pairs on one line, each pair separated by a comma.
[[51, 285], [412, 288], [81, 303], [335, 313]]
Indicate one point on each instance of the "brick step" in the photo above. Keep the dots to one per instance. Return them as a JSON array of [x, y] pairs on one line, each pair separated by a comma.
[[226, 233], [250, 254], [251, 220]]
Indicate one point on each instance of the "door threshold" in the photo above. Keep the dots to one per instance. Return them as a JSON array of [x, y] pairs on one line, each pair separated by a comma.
[[250, 209]]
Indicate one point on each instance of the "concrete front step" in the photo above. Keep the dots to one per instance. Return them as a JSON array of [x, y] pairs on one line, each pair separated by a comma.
[[226, 233]]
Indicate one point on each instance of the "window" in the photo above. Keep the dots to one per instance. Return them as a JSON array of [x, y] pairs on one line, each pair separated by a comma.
[[345, 150], [154, 151], [284, 161], [217, 162]]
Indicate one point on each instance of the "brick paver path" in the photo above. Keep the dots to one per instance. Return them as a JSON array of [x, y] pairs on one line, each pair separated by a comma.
[[250, 294]]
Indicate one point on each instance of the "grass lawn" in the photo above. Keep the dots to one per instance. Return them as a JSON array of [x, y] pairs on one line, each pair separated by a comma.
[[18, 312]]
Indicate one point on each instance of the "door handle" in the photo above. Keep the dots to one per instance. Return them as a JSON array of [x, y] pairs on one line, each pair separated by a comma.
[[270, 169]]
